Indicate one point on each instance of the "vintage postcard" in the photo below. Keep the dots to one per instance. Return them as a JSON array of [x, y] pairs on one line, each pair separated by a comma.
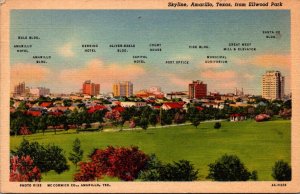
[[129, 96]]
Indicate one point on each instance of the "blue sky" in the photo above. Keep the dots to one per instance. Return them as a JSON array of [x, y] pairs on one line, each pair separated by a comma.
[[62, 32]]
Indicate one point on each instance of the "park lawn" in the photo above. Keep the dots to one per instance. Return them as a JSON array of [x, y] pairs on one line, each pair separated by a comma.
[[258, 145]]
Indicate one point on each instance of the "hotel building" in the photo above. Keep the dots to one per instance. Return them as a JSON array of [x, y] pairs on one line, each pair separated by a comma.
[[197, 89], [272, 85], [124, 88], [90, 88], [39, 91], [19, 89]]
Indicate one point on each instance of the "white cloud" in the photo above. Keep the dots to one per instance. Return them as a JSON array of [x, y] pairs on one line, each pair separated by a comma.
[[218, 75], [269, 61], [211, 65], [178, 81], [248, 76], [66, 50], [29, 73], [101, 73]]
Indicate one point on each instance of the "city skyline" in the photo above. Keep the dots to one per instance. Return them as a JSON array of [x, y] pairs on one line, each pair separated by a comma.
[[69, 65], [273, 85]]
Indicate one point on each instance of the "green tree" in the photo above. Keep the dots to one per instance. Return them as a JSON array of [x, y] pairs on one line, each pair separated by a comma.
[[144, 123], [33, 124], [153, 119], [151, 172], [287, 104], [55, 159], [281, 171], [11, 102], [42, 124], [166, 117], [254, 175], [196, 116], [230, 168], [137, 120], [52, 121], [22, 106], [182, 170], [83, 117], [98, 116], [195, 119], [77, 154], [67, 102], [16, 124], [125, 116], [217, 125], [179, 117], [46, 158], [63, 120], [75, 119]]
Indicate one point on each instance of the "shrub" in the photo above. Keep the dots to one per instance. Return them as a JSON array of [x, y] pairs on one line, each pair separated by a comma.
[[55, 159], [281, 171], [253, 175], [182, 170], [262, 117], [144, 123], [132, 124], [230, 168], [217, 125], [166, 118], [153, 119], [150, 173], [77, 153], [24, 131], [285, 113], [88, 172], [121, 162], [195, 121], [46, 158], [179, 117], [23, 169]]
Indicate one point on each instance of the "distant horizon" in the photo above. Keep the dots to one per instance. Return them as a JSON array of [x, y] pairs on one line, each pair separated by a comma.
[[135, 91], [63, 36]]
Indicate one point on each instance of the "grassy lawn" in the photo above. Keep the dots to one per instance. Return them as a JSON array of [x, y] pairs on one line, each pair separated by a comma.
[[258, 145]]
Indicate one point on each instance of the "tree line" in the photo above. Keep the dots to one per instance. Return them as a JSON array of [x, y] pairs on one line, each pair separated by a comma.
[[24, 124], [127, 164]]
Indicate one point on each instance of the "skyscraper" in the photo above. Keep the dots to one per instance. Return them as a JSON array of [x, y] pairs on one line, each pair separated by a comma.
[[39, 91], [19, 89], [197, 89], [272, 85], [124, 88], [90, 88]]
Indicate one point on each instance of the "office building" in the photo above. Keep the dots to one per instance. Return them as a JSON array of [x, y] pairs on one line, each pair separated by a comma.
[[272, 85], [90, 88], [39, 91], [124, 88], [19, 89], [197, 89]]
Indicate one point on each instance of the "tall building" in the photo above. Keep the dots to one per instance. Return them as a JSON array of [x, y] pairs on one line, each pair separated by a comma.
[[90, 88], [124, 88], [39, 91], [272, 85], [19, 89], [197, 89], [239, 92]]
